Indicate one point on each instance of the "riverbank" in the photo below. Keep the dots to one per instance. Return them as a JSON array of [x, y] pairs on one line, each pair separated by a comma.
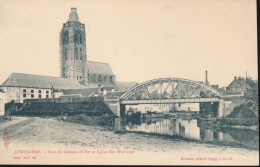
[[49, 134], [106, 122], [241, 123]]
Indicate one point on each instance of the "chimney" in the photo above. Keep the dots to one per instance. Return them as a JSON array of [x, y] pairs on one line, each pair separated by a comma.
[[235, 78], [206, 78], [207, 82]]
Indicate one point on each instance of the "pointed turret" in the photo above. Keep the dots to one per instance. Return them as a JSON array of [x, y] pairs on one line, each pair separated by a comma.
[[74, 15]]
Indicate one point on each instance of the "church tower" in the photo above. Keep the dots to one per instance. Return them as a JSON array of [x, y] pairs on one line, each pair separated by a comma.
[[73, 56]]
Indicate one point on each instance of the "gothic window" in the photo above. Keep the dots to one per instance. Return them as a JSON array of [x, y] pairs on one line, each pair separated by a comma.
[[66, 54], [63, 72], [76, 53], [93, 79], [65, 37], [80, 54], [105, 79], [75, 37], [88, 78], [80, 38], [111, 80], [99, 79]]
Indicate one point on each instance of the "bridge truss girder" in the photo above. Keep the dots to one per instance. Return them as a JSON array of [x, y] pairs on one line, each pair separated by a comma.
[[169, 88]]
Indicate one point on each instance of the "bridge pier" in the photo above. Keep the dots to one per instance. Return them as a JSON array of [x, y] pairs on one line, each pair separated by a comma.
[[211, 109], [122, 110], [221, 108], [114, 105]]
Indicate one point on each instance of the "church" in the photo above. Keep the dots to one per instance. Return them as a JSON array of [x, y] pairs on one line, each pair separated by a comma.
[[73, 55], [77, 74]]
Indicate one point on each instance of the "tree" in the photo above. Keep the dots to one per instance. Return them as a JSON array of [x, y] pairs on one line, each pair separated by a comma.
[[254, 85]]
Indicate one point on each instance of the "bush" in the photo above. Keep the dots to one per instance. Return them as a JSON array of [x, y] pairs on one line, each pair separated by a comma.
[[244, 111]]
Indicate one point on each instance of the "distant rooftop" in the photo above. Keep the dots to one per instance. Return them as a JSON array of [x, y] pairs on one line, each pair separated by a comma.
[[239, 82], [83, 92], [124, 86]]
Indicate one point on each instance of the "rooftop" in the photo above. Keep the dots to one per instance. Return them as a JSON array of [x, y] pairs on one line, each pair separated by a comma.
[[39, 81], [124, 86], [99, 68], [83, 92], [239, 82]]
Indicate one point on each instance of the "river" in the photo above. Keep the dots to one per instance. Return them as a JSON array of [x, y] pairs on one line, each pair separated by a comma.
[[189, 129]]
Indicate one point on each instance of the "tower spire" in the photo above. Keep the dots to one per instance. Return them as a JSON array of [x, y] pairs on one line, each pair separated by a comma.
[[73, 15]]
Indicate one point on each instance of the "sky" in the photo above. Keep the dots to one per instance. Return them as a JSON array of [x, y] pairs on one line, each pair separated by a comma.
[[140, 39]]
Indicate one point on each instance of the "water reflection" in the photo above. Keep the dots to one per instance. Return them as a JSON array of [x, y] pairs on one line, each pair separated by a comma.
[[190, 129]]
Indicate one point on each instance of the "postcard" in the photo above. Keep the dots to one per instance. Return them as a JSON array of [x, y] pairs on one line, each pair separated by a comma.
[[118, 82]]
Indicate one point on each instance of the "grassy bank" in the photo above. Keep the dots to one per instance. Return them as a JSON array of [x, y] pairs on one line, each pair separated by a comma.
[[104, 121]]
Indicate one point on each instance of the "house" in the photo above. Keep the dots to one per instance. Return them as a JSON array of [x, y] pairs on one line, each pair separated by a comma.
[[239, 86]]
